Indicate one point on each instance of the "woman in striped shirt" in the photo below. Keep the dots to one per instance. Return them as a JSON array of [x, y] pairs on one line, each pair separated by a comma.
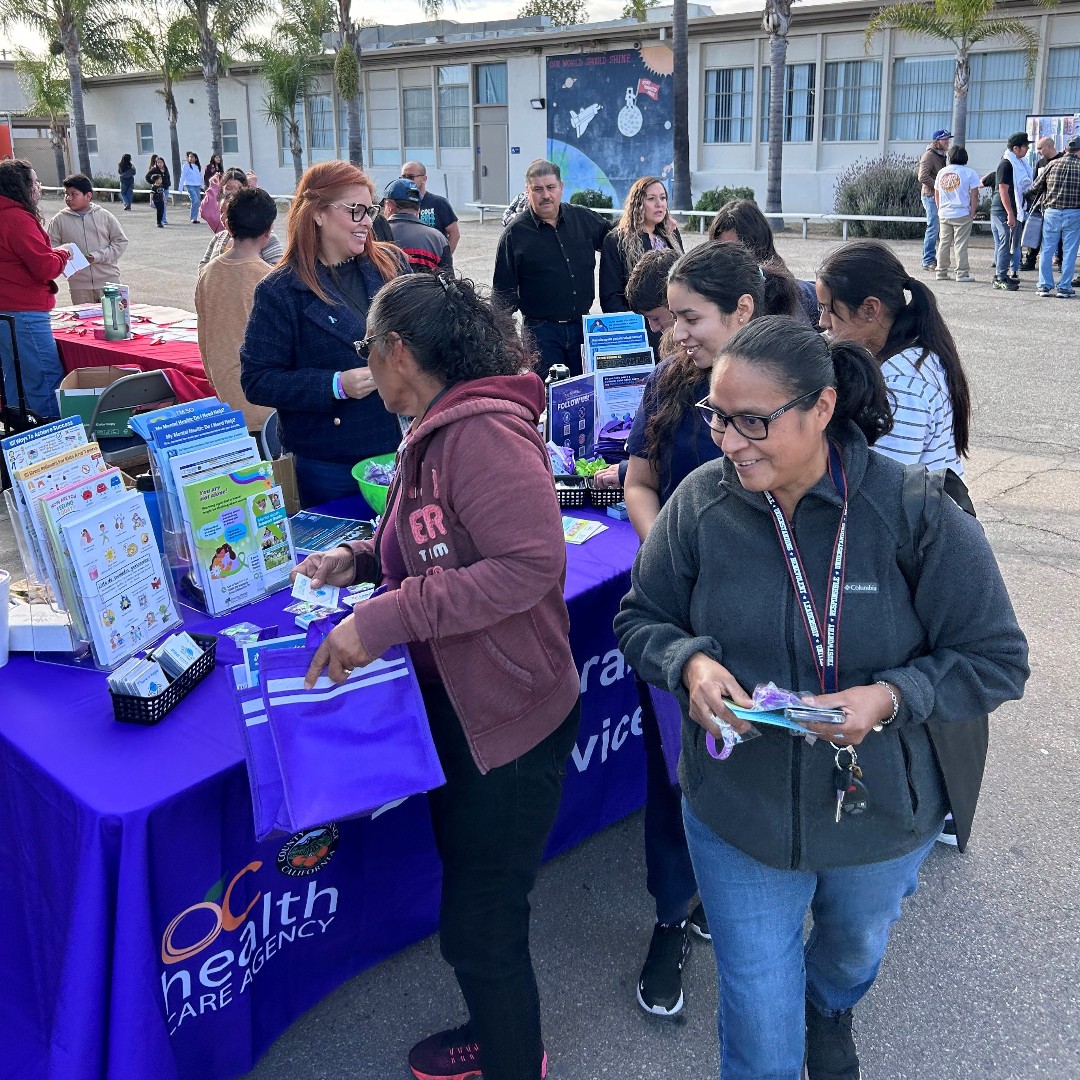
[[866, 295]]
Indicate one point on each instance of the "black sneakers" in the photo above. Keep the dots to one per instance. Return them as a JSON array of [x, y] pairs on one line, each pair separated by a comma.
[[830, 1046], [699, 922], [1007, 283], [659, 990]]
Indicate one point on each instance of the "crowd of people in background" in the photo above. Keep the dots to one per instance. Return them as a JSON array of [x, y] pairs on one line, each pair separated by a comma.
[[771, 456]]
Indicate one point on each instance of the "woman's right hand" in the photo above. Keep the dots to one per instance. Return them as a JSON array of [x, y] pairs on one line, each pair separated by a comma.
[[334, 567], [708, 683], [357, 382]]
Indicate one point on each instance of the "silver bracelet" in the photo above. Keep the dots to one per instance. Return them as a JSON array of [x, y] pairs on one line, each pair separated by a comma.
[[895, 705]]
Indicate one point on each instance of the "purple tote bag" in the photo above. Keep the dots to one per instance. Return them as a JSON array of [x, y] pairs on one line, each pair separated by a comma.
[[335, 751], [669, 721]]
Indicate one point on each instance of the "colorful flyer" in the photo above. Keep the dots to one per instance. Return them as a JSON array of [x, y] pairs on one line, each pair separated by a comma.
[[225, 550], [270, 524], [44, 478], [571, 414], [76, 498], [120, 578]]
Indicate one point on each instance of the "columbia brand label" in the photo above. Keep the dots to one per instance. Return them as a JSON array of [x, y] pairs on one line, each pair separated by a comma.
[[860, 587]]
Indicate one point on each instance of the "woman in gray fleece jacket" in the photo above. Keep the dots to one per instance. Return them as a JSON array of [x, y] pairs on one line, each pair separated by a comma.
[[787, 561]]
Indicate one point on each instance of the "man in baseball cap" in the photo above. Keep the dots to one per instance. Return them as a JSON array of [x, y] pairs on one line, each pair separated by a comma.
[[1008, 210], [426, 248], [930, 164]]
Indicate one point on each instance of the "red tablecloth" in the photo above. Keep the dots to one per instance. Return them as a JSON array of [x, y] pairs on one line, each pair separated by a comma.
[[180, 359]]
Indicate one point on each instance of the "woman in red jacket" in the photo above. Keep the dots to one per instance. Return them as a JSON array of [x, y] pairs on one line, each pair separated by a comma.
[[28, 265], [475, 574]]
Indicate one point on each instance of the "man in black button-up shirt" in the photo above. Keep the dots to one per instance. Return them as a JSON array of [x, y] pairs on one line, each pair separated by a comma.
[[546, 264]]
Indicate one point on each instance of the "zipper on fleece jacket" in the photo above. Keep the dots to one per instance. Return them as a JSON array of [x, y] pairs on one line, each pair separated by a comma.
[[796, 753]]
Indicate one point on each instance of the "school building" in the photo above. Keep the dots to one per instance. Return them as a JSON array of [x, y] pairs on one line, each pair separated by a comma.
[[477, 102]]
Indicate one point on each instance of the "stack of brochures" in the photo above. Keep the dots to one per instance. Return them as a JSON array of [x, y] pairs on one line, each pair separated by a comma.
[[89, 539], [226, 528]]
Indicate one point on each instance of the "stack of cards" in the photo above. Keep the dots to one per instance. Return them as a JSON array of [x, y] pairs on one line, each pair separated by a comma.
[[177, 653], [138, 677]]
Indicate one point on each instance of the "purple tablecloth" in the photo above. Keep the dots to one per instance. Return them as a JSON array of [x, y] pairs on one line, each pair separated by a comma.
[[147, 935]]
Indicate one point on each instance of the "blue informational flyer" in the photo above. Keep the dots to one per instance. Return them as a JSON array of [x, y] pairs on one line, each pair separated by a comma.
[[572, 414], [617, 332]]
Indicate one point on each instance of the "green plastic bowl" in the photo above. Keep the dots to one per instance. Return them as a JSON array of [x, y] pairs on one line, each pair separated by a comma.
[[374, 494]]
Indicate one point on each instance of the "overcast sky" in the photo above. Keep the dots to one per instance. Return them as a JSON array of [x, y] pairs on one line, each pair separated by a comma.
[[390, 12]]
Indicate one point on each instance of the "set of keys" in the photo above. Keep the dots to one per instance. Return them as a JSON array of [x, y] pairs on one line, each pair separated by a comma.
[[852, 798]]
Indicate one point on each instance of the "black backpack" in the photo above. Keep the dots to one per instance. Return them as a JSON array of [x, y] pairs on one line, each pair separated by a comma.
[[959, 745]]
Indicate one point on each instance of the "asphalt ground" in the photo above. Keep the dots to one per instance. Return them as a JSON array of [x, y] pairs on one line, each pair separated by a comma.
[[981, 977]]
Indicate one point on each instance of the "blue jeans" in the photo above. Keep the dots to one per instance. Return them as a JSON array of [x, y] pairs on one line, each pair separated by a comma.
[[195, 195], [322, 481], [929, 246], [38, 361], [1006, 242], [127, 192], [557, 343], [1063, 224], [766, 970]]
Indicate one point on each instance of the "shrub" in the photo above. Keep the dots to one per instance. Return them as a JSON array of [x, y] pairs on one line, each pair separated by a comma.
[[711, 201], [590, 197], [885, 185]]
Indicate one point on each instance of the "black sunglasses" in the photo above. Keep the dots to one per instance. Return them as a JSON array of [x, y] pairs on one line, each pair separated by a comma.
[[748, 425], [363, 348]]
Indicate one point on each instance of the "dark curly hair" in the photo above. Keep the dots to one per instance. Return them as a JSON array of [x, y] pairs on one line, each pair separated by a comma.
[[721, 273], [17, 184], [864, 268], [801, 361], [453, 332]]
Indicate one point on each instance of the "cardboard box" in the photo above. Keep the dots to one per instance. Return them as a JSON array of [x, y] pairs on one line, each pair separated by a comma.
[[78, 393]]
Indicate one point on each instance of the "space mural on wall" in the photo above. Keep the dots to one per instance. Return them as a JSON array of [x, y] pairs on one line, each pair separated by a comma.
[[609, 118]]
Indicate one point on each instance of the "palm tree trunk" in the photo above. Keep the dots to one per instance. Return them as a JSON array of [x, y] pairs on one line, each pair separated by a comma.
[[681, 193], [352, 105], [774, 202], [69, 38], [209, 60], [174, 139], [58, 157], [296, 146], [960, 98]]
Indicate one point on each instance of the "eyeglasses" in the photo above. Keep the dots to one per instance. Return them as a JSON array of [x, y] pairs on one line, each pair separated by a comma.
[[363, 348], [413, 176], [747, 425], [358, 211]]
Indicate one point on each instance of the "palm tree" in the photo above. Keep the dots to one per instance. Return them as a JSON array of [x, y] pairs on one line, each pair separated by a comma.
[[681, 195], [170, 47], [347, 67], [963, 23], [776, 23], [47, 91], [217, 20], [85, 33], [290, 67]]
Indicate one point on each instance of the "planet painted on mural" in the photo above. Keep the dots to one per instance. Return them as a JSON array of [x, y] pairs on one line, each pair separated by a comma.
[[578, 171]]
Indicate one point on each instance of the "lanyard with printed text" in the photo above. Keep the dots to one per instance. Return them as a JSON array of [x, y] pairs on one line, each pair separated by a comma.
[[826, 658]]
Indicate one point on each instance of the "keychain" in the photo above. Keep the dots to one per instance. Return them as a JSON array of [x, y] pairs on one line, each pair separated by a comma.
[[852, 798]]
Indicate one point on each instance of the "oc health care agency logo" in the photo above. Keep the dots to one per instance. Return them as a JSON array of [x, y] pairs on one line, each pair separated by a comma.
[[307, 852], [213, 950]]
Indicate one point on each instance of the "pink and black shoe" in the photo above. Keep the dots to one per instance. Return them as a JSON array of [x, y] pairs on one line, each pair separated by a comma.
[[451, 1055]]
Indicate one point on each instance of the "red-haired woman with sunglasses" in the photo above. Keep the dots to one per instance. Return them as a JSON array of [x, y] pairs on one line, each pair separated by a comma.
[[299, 353]]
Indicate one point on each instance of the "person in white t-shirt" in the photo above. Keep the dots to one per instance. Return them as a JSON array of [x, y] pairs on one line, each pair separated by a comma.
[[956, 192]]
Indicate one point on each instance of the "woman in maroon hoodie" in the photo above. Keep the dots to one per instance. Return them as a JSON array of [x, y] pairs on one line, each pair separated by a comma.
[[475, 571], [28, 265]]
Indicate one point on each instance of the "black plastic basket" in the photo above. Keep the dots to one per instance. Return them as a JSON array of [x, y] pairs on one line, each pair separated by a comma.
[[571, 491], [151, 710], [604, 497]]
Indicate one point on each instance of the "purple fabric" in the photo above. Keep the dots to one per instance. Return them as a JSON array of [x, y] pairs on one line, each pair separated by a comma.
[[669, 721], [372, 730], [115, 835]]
